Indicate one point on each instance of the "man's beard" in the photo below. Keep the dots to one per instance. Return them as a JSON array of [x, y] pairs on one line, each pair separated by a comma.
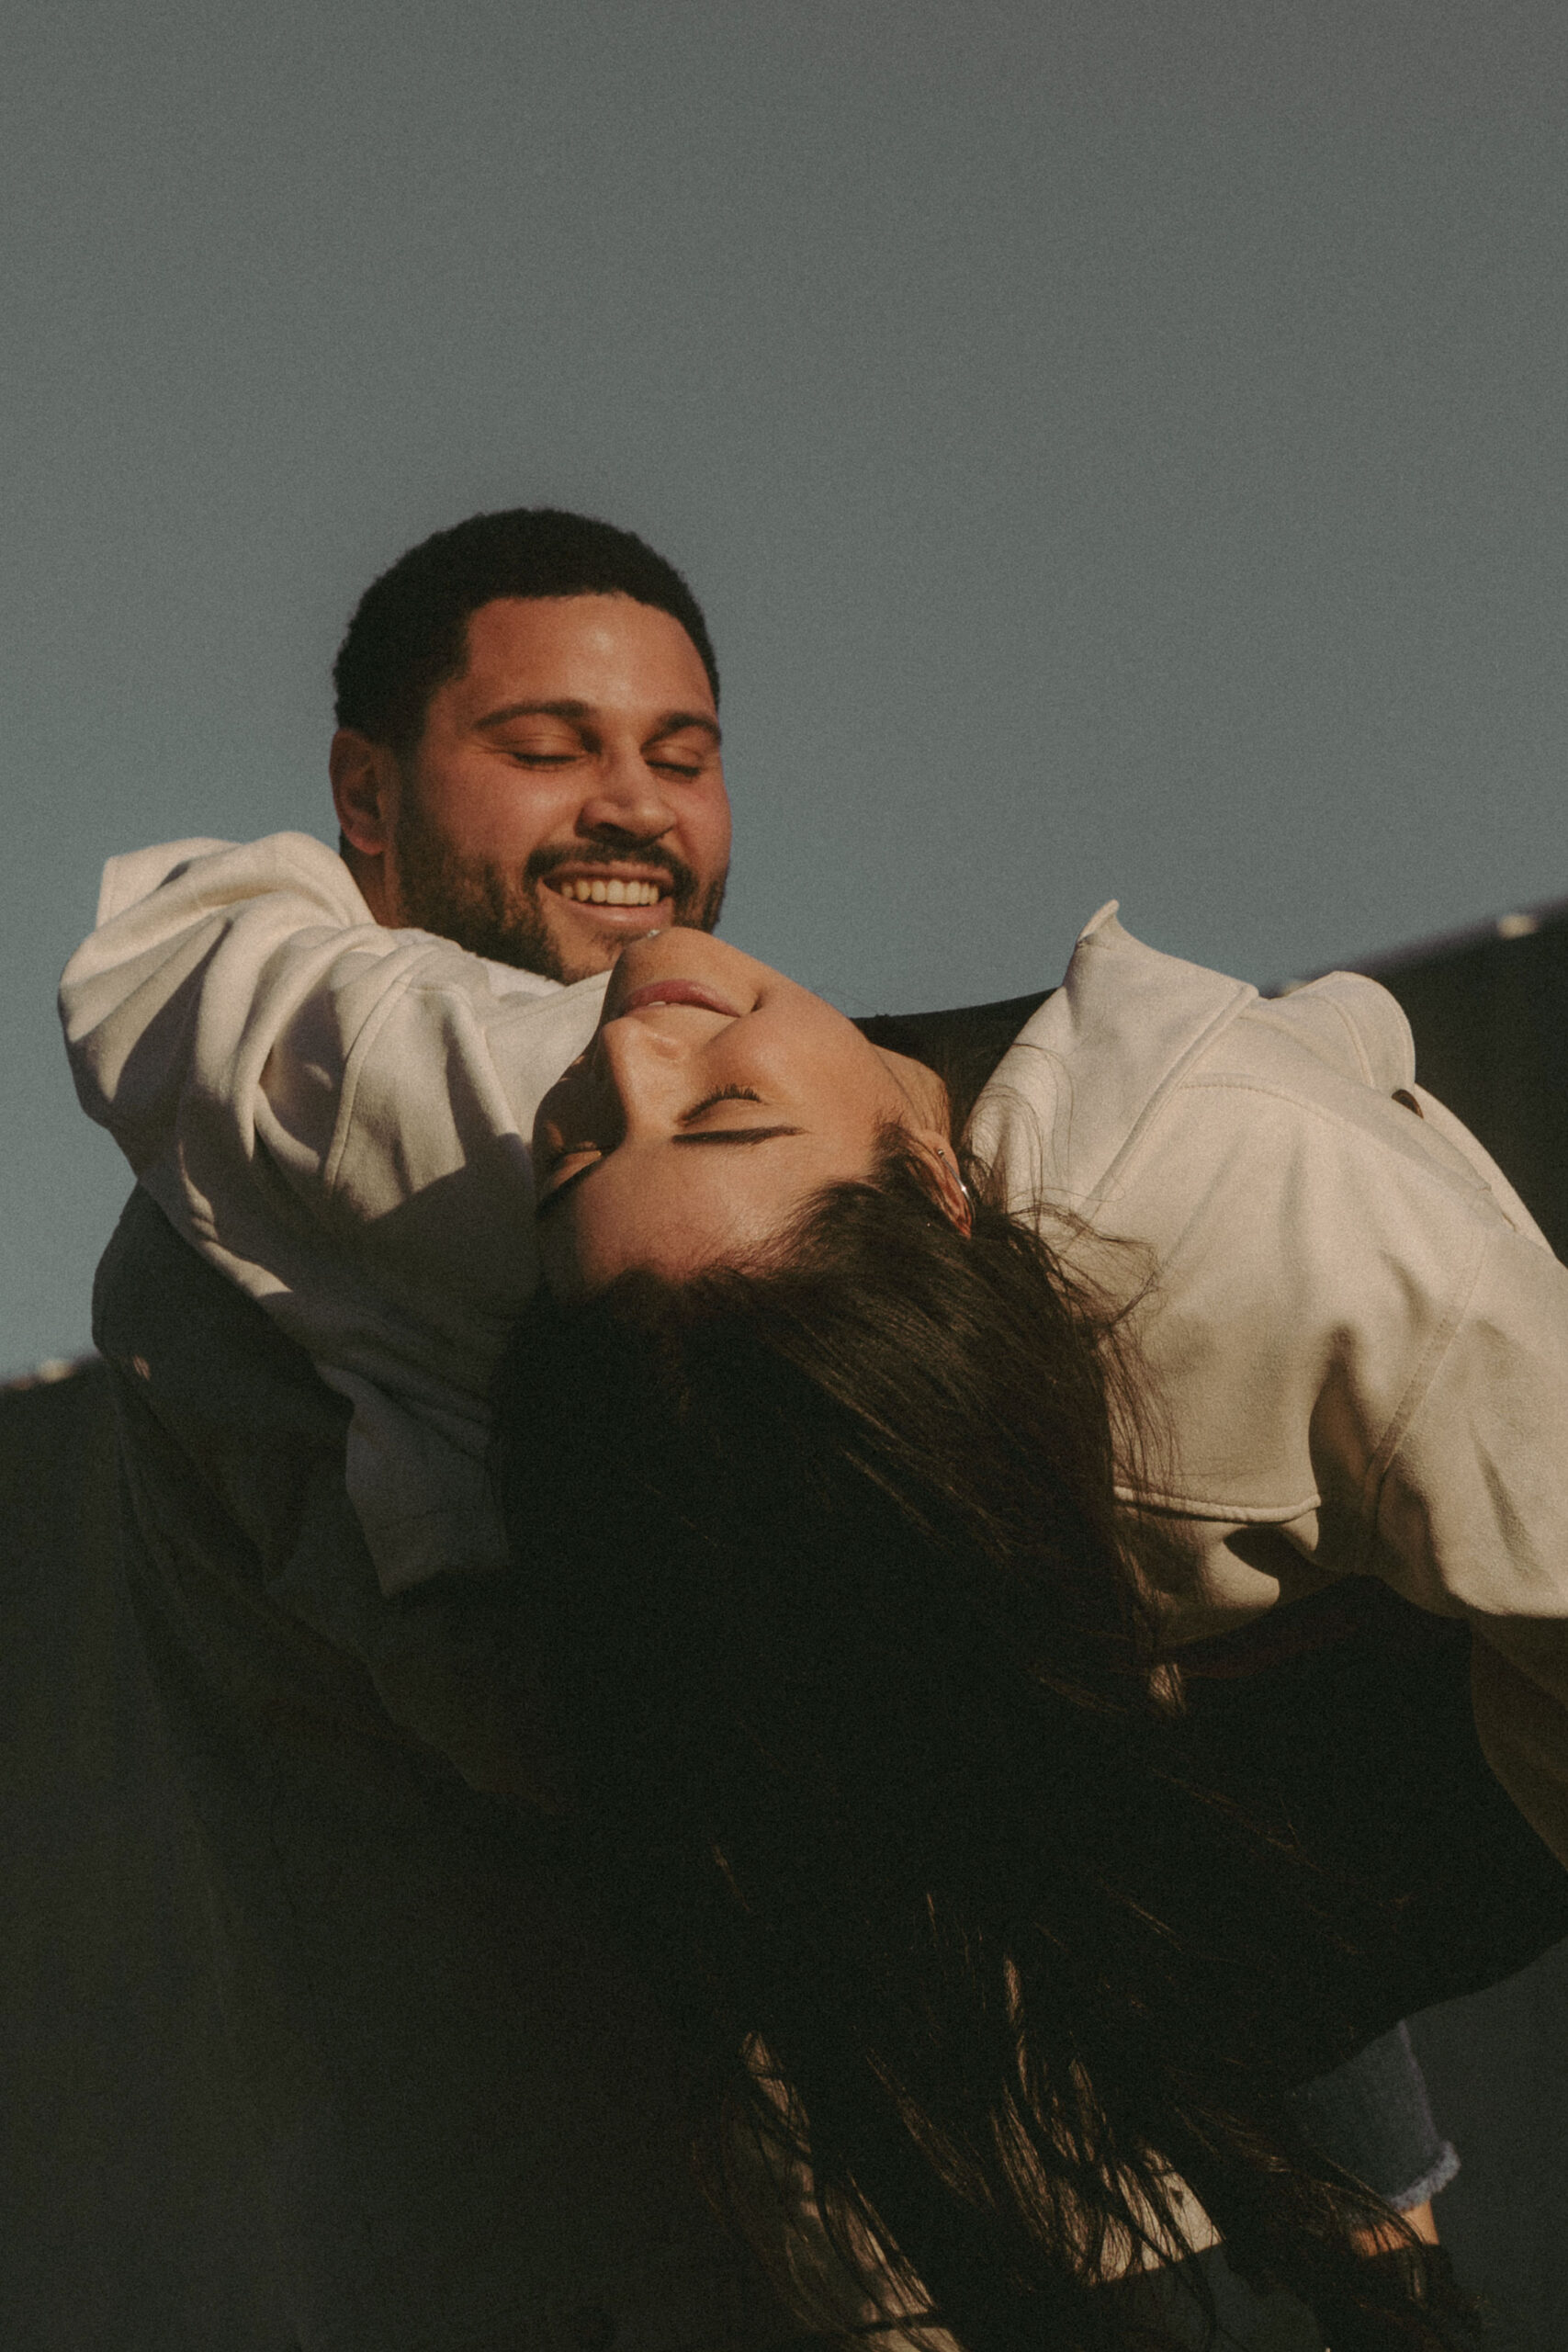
[[495, 910]]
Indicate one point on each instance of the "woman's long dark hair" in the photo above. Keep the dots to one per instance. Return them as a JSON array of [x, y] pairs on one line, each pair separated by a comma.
[[847, 1650]]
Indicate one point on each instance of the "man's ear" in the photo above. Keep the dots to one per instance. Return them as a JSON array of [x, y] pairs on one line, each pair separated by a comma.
[[938, 1167], [365, 790], [366, 782]]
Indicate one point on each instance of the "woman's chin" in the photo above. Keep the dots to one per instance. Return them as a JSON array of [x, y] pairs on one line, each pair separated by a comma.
[[674, 954]]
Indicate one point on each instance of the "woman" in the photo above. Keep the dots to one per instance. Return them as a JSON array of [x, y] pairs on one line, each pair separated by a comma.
[[928, 1454]]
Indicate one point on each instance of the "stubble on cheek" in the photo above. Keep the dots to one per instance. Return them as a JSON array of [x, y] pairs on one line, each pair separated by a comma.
[[473, 902], [498, 913]]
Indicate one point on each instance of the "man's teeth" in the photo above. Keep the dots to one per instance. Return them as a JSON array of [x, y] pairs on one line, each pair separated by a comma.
[[614, 893]]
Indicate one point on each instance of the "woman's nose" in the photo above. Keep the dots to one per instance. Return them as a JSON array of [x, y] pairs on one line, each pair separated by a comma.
[[640, 1065]]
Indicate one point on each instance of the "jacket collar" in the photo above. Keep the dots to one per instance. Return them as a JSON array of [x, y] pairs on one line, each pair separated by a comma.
[[1088, 1071]]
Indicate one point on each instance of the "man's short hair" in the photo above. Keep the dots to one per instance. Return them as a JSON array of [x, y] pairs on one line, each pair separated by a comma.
[[409, 633]]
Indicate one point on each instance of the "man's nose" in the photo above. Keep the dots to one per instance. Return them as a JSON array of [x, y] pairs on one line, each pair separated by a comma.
[[628, 800]]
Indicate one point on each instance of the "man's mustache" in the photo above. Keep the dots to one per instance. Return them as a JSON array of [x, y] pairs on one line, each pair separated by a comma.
[[684, 882]]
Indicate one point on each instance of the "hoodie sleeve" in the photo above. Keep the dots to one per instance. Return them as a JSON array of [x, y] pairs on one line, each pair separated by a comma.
[[337, 1117], [185, 966], [268, 1057]]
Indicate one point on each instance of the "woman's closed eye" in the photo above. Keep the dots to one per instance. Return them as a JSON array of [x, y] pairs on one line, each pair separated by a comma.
[[551, 1192], [548, 1163], [558, 1176], [688, 1132]]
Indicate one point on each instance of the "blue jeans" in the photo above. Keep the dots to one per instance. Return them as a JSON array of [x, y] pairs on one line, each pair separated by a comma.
[[1372, 2115]]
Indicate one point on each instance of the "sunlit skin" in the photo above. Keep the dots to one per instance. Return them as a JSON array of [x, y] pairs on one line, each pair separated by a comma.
[[715, 1097], [581, 734]]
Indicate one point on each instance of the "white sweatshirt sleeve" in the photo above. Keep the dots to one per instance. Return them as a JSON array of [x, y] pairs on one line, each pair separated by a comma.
[[337, 1117]]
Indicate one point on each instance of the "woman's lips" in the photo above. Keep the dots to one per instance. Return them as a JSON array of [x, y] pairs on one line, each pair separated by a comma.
[[675, 992]]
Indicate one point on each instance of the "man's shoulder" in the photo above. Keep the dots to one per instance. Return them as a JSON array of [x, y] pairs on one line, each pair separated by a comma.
[[963, 1044], [971, 1026]]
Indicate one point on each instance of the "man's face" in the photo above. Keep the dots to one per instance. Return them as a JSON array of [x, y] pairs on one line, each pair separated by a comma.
[[567, 794]]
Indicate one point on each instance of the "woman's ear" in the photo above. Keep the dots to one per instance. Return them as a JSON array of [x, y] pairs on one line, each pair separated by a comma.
[[937, 1163]]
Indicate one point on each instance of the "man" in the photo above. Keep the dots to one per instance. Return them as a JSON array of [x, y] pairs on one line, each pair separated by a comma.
[[472, 2123], [539, 780]]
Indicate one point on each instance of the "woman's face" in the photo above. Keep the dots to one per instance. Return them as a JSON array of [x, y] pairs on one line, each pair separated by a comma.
[[715, 1097]]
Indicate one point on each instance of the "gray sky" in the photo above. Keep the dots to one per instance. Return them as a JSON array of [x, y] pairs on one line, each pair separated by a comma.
[[1120, 450]]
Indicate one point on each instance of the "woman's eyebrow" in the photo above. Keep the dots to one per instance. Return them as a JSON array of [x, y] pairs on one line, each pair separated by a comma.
[[736, 1135], [718, 1135]]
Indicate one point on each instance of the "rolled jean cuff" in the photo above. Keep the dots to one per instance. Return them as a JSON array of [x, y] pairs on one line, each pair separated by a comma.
[[1373, 2118], [1422, 2191]]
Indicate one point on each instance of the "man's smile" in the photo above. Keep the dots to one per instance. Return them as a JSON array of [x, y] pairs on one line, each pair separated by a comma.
[[612, 893], [619, 895]]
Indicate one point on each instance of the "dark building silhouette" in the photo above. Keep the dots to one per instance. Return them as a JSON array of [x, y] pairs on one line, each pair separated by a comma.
[[130, 2222], [128, 2219], [1489, 1009]]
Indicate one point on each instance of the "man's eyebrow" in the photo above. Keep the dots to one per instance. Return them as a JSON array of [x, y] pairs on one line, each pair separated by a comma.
[[670, 722], [535, 710], [676, 722]]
